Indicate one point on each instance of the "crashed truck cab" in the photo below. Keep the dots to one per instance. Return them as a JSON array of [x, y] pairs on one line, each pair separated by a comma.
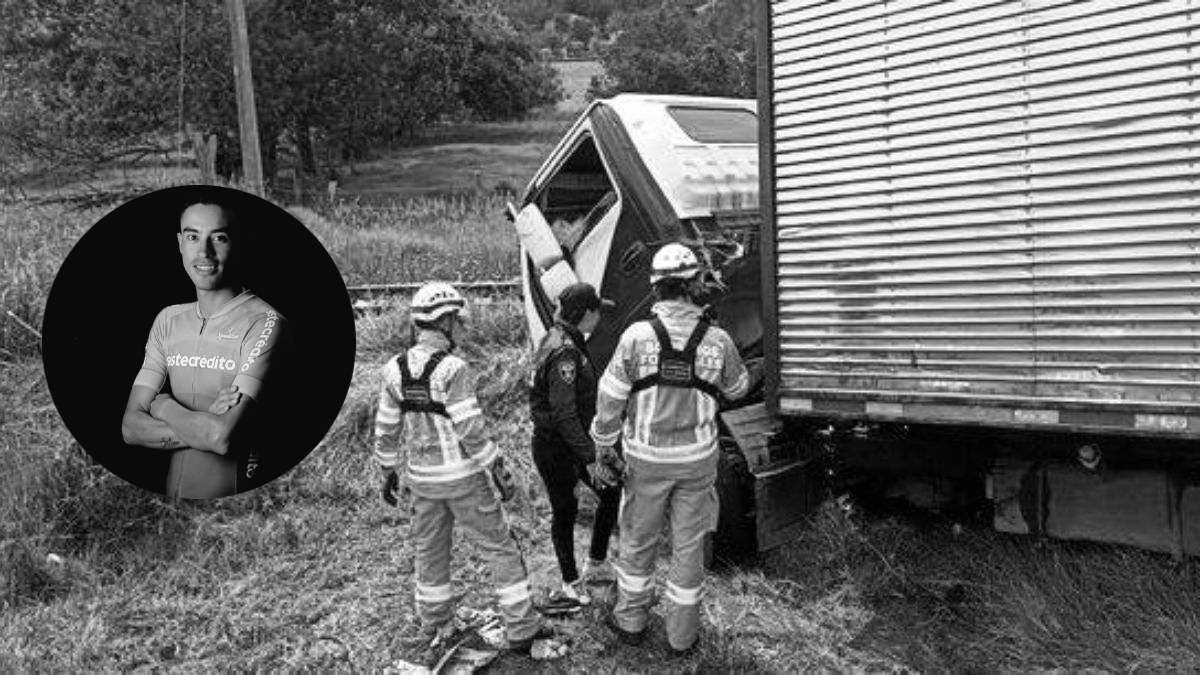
[[635, 172]]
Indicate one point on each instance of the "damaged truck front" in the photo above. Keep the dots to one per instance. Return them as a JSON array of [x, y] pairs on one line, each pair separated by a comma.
[[633, 173]]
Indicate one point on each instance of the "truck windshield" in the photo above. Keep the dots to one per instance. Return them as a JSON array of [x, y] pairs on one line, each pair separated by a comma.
[[716, 125]]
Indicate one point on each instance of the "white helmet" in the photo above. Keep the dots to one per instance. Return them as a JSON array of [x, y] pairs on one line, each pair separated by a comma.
[[673, 261], [436, 299]]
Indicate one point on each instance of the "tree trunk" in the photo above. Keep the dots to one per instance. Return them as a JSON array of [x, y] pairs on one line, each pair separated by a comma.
[[204, 148], [270, 153], [304, 143]]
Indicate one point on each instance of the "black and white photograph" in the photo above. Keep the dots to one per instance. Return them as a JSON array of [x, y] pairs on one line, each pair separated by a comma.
[[627, 336]]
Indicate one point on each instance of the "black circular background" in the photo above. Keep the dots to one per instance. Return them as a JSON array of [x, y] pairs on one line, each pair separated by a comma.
[[127, 267]]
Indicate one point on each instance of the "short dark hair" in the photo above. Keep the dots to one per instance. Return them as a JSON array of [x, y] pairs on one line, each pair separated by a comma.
[[212, 195], [573, 315]]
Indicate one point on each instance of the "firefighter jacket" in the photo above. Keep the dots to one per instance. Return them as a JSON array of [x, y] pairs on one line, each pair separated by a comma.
[[666, 421], [562, 394], [430, 419]]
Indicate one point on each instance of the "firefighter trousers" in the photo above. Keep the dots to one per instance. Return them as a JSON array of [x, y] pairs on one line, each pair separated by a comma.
[[432, 535], [689, 505]]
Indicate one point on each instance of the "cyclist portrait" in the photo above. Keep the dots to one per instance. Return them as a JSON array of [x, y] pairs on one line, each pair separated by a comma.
[[208, 364]]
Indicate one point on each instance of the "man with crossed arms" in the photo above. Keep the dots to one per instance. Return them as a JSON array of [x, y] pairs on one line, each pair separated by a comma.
[[207, 365]]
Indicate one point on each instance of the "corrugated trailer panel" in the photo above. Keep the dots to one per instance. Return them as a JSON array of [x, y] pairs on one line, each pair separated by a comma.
[[988, 211]]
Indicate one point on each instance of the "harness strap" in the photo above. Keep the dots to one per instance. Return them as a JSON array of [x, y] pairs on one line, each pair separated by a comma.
[[677, 368], [416, 394]]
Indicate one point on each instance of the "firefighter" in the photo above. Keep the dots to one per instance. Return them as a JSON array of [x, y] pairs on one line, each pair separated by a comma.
[[562, 401], [659, 396], [430, 420]]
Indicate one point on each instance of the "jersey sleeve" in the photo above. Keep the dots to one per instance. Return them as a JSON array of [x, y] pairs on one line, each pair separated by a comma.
[[153, 373], [263, 348]]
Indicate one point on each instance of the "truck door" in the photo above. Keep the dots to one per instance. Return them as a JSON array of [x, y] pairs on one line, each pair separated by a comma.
[[574, 204]]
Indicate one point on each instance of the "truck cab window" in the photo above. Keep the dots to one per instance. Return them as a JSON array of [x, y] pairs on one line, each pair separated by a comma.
[[578, 195]]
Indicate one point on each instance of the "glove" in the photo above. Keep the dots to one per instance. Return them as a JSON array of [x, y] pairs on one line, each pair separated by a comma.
[[608, 469], [392, 488], [502, 478]]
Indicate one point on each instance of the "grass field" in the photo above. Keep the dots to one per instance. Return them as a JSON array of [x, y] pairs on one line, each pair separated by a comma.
[[460, 237], [314, 573]]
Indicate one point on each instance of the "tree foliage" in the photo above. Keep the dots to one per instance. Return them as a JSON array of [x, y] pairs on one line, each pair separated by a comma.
[[680, 47], [533, 14], [89, 77]]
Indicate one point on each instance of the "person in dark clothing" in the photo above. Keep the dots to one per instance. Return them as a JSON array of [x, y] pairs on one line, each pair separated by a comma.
[[562, 404]]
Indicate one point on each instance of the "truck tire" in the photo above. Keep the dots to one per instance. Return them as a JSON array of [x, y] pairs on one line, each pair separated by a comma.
[[735, 541]]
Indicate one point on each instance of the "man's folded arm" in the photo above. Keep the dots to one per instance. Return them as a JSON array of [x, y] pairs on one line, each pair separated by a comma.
[[139, 428], [203, 430]]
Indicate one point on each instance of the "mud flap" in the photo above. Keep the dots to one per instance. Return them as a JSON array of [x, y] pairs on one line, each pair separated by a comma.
[[778, 487], [734, 539]]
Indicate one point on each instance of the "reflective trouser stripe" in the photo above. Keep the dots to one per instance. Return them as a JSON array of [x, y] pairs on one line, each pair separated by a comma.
[[516, 593], [682, 596], [433, 594], [631, 583], [476, 509], [649, 502]]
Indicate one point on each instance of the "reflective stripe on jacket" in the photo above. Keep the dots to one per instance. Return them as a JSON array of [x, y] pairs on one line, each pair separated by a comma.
[[662, 424], [440, 449]]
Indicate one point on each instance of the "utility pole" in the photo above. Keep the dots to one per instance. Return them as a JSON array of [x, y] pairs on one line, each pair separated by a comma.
[[247, 117]]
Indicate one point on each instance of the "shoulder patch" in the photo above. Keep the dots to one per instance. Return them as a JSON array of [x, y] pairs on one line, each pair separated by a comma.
[[566, 370]]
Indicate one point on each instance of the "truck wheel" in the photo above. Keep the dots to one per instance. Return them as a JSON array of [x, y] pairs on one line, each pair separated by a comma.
[[734, 541]]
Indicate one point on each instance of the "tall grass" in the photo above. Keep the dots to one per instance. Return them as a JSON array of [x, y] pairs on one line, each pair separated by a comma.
[[34, 240], [460, 237]]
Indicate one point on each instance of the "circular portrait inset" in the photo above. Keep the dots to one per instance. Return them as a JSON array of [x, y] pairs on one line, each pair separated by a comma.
[[198, 341]]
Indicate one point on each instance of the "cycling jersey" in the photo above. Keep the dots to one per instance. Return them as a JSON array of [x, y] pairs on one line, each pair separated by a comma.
[[198, 357]]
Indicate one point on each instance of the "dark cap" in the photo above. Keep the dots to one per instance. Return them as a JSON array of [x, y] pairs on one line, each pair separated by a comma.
[[581, 297]]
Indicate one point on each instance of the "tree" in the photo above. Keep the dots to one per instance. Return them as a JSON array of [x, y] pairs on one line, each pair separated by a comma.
[[85, 79], [501, 77], [91, 78], [681, 48], [582, 29]]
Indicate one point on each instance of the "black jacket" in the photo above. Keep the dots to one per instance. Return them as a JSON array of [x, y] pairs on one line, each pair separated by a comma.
[[562, 400]]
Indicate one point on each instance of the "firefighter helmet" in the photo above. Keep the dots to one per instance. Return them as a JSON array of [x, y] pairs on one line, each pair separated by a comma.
[[436, 299], [673, 261]]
